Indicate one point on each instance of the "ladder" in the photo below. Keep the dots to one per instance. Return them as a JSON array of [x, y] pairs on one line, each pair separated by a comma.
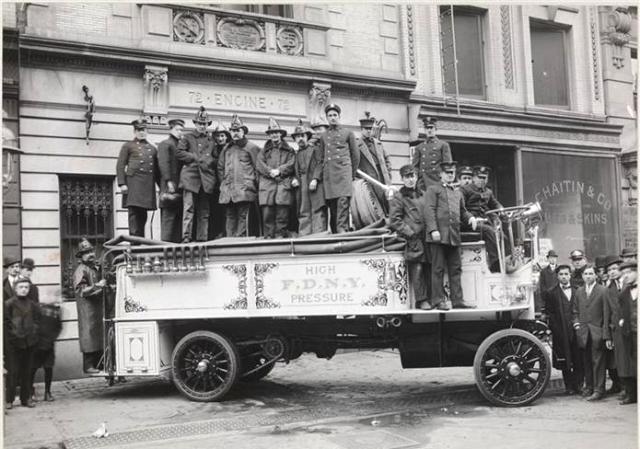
[[448, 56]]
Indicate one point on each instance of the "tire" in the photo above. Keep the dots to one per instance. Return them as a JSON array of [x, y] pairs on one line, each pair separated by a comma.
[[256, 375], [205, 366], [512, 368]]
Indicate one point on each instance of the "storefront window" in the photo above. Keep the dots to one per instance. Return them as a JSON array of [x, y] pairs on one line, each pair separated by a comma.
[[549, 65], [577, 195]]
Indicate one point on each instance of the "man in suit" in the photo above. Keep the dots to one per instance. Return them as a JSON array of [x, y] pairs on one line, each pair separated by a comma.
[[197, 178], [170, 199], [12, 265], [626, 332], [588, 321], [578, 262], [428, 155], [340, 160], [137, 172], [444, 212], [548, 275], [406, 217], [558, 302], [374, 160], [612, 265]]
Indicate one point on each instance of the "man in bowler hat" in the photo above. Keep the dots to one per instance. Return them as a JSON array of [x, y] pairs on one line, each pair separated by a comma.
[[170, 198], [12, 265], [137, 172]]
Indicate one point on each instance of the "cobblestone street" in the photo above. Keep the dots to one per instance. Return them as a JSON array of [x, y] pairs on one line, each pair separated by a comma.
[[362, 399]]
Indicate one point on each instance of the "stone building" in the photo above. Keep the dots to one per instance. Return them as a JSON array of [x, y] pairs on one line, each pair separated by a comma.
[[528, 98]]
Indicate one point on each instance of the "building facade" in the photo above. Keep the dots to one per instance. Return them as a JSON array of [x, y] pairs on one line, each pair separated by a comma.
[[528, 97]]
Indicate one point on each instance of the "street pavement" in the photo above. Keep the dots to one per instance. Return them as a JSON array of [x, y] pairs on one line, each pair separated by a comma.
[[356, 400]]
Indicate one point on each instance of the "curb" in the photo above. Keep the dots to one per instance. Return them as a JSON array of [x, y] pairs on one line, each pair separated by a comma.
[[286, 420]]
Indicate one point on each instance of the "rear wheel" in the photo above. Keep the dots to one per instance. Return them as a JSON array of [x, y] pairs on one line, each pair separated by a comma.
[[512, 368], [205, 365]]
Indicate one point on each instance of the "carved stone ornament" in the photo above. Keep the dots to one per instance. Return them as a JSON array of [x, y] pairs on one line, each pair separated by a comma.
[[188, 26], [619, 24], [244, 34], [319, 97], [156, 94], [290, 41]]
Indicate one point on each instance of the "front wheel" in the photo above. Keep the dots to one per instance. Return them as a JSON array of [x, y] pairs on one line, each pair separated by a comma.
[[512, 368], [205, 365]]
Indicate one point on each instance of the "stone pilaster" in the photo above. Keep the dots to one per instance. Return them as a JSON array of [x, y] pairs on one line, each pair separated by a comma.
[[156, 94]]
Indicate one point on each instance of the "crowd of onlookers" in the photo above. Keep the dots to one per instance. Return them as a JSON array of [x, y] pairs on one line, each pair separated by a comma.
[[592, 312]]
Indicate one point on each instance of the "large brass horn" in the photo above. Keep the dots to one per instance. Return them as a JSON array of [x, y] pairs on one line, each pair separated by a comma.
[[533, 209]]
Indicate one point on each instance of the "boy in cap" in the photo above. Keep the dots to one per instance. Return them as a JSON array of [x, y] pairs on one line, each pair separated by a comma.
[[170, 199], [137, 171], [478, 199], [28, 265], [49, 328], [428, 155], [21, 317], [275, 165], [312, 211], [238, 178], [578, 262], [444, 212], [340, 155], [626, 332], [197, 178], [406, 217], [374, 160]]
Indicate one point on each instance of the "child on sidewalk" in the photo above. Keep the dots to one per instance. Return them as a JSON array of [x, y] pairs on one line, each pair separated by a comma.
[[44, 354]]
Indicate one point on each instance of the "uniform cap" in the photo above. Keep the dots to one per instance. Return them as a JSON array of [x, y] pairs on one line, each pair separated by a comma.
[[175, 122], [552, 253], [202, 116], [611, 259], [332, 107], [628, 252], [465, 170], [84, 247], [139, 123], [28, 263], [236, 123], [429, 122], [481, 170], [10, 260], [576, 254], [367, 121], [448, 164], [274, 127], [301, 129], [407, 170]]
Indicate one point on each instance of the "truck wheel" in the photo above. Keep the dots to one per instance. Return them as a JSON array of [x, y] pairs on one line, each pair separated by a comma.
[[512, 368], [205, 366], [259, 373]]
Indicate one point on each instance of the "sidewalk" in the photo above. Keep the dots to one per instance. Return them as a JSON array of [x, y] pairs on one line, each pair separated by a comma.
[[151, 409]]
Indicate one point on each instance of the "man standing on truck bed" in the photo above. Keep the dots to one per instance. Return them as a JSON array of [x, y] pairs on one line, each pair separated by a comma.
[[428, 155]]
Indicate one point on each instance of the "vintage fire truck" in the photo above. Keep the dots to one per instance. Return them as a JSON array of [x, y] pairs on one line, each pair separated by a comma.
[[209, 315]]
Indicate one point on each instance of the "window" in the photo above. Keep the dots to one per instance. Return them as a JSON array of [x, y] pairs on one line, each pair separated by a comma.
[[468, 36], [271, 10], [549, 65], [86, 211]]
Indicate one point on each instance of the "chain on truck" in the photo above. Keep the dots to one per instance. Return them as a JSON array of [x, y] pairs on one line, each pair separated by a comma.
[[215, 314]]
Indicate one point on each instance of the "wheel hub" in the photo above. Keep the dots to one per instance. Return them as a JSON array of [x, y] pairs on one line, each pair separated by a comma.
[[514, 369], [203, 365]]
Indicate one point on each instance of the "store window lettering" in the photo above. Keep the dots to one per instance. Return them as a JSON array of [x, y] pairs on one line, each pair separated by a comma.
[[570, 186], [577, 218], [250, 102]]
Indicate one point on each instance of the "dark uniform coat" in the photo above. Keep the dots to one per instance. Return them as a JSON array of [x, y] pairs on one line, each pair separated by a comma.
[[444, 212], [137, 168], [168, 163], [626, 334], [559, 309], [90, 308], [340, 160], [195, 151], [308, 168], [237, 172], [426, 160], [407, 218], [478, 201], [276, 191]]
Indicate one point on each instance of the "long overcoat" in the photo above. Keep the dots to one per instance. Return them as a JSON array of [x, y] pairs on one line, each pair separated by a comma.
[[307, 168], [90, 308], [407, 218], [168, 162], [275, 191], [340, 160], [137, 168], [444, 211], [588, 311], [195, 151], [237, 172], [559, 309], [426, 160], [626, 335], [370, 150]]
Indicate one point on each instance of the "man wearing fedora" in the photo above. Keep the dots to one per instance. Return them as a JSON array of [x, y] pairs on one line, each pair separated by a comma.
[[197, 178], [629, 255], [88, 287], [221, 138], [170, 198], [612, 265], [340, 155], [137, 173], [428, 155], [374, 160], [12, 265], [238, 178], [275, 165], [312, 211], [445, 211], [626, 332]]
